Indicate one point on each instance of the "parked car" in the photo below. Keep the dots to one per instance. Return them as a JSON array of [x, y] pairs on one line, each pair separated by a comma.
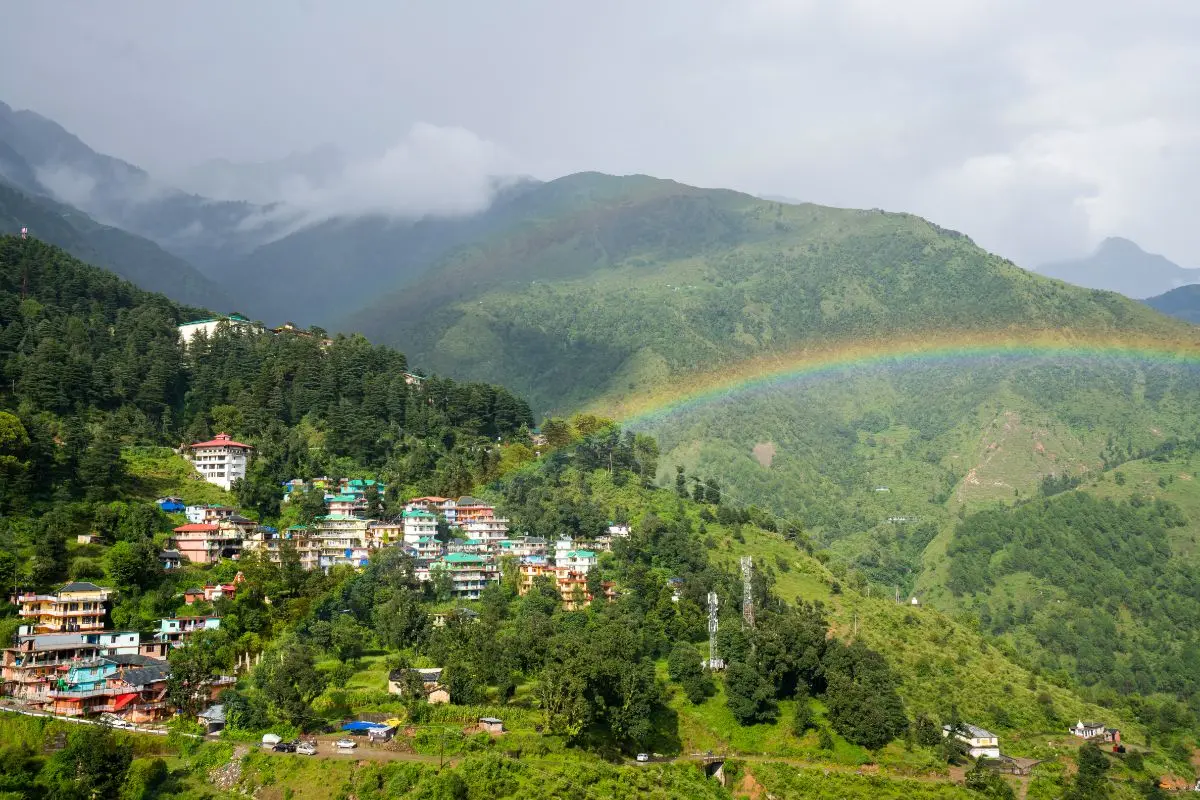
[[285, 747], [346, 744], [306, 749], [643, 757]]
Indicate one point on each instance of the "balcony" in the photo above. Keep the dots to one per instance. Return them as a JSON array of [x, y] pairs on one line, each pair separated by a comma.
[[79, 694]]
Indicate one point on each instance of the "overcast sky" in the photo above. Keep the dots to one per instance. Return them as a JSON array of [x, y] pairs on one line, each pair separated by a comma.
[[1036, 126]]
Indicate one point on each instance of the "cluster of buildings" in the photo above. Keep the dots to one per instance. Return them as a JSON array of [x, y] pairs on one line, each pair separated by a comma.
[[65, 662], [461, 540]]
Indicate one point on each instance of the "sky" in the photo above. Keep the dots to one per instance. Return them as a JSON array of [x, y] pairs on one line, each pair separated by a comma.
[[1037, 127]]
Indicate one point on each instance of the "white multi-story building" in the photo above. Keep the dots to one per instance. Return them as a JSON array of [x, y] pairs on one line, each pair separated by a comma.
[[489, 530], [221, 460], [209, 514], [343, 540], [188, 330], [418, 525]]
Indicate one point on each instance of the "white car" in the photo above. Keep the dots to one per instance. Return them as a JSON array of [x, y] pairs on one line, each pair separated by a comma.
[[643, 757], [306, 749], [345, 744]]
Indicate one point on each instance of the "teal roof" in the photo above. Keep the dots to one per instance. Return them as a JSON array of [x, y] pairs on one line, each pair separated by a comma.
[[462, 558], [581, 554], [343, 498], [417, 513]]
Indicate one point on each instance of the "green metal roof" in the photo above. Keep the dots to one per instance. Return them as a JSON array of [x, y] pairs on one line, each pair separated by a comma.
[[416, 513], [462, 558]]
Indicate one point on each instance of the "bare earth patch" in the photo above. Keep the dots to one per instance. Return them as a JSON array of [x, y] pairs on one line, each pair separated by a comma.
[[764, 453]]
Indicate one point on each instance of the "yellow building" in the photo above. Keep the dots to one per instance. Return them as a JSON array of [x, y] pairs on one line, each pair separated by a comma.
[[76, 607]]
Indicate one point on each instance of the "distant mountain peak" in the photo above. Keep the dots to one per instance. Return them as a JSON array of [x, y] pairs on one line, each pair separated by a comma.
[[1120, 245], [1121, 265]]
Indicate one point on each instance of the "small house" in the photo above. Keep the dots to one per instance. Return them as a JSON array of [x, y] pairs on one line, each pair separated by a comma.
[[491, 725], [170, 559], [212, 718], [431, 679], [83, 538], [381, 734], [1087, 730], [980, 743]]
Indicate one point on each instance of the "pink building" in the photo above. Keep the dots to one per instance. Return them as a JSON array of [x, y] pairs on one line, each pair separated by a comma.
[[207, 544]]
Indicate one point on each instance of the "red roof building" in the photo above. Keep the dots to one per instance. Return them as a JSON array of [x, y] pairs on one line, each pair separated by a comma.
[[221, 460]]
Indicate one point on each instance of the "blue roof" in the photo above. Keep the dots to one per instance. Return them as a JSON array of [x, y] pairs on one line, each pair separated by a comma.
[[359, 725]]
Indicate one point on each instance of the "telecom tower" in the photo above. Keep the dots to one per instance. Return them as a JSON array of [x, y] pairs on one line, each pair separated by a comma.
[[747, 591], [714, 662]]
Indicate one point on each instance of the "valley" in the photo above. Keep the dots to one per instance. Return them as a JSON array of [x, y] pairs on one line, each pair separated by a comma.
[[967, 493]]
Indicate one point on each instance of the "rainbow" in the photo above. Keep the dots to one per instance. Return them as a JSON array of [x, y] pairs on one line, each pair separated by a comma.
[[781, 370]]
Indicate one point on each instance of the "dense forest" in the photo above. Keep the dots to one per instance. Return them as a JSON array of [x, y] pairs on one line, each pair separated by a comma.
[[89, 362], [1109, 604]]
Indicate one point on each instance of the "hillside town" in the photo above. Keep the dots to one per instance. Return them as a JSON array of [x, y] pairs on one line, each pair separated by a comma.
[[66, 660]]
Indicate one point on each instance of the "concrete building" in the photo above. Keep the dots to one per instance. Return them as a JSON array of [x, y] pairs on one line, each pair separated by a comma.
[[207, 544], [29, 668], [221, 460], [490, 530], [210, 326], [469, 573], [208, 514], [418, 525], [76, 607], [342, 540], [272, 543], [980, 743]]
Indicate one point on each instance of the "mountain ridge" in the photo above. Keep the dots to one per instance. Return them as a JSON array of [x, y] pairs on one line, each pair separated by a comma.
[[1120, 265], [1182, 303]]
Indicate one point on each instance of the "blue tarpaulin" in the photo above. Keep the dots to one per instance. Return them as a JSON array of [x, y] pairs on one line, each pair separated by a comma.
[[362, 726]]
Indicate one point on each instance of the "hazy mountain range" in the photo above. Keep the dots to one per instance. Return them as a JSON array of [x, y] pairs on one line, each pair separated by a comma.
[[1119, 265]]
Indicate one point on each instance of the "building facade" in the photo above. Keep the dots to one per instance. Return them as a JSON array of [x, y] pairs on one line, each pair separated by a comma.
[[76, 607], [221, 460]]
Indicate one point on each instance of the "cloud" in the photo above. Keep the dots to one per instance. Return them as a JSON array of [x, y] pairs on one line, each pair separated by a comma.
[[1034, 126], [432, 171]]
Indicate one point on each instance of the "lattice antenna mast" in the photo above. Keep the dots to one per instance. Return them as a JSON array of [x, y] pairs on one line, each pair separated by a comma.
[[748, 591], [714, 661]]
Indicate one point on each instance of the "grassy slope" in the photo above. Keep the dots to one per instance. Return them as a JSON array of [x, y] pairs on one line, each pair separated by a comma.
[[940, 661]]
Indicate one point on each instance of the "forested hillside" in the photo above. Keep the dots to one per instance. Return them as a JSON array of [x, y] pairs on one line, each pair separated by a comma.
[[642, 279], [1183, 303], [133, 258], [831, 673], [90, 363]]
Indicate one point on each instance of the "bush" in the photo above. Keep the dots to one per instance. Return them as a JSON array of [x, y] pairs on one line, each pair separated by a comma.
[[143, 778]]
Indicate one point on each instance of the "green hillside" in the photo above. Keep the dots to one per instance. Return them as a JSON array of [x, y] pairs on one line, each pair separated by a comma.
[[616, 291], [832, 675], [1183, 303], [1097, 582], [133, 258], [640, 279]]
